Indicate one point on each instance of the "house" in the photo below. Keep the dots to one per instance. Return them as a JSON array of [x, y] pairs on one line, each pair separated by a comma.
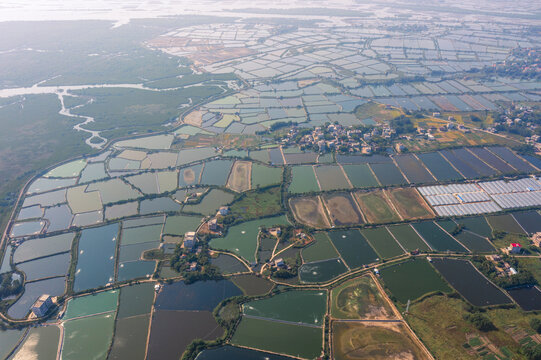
[[279, 262], [189, 240], [400, 148], [224, 210], [193, 266], [536, 238], [514, 248], [213, 224], [42, 305]]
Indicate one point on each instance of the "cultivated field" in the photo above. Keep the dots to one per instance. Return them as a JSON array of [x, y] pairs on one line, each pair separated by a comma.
[[376, 207], [409, 204]]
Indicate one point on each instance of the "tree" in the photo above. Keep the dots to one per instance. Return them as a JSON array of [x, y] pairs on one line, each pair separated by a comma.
[[480, 321], [535, 323]]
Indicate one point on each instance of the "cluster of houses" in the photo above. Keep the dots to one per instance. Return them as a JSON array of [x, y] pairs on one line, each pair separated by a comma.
[[335, 136], [503, 267], [429, 132]]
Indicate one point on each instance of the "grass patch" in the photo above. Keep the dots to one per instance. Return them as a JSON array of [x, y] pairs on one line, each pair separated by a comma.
[[258, 203]]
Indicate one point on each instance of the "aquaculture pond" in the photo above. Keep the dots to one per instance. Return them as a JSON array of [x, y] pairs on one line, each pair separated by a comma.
[[237, 353], [32, 291], [88, 337], [529, 298], [228, 264], [304, 306], [87, 219], [360, 175], [27, 228], [513, 160], [303, 180], [122, 210], [40, 343], [47, 199], [135, 269], [130, 340], [44, 184], [353, 248], [59, 218], [242, 238], [476, 224], [530, 221], [96, 257], [199, 296], [8, 340], [51, 266], [135, 300], [31, 249], [384, 243], [413, 169], [187, 156], [331, 177], [179, 225], [216, 172], [161, 204], [505, 222], [437, 238], [190, 175], [172, 331], [408, 238], [320, 249], [31, 212], [439, 167], [467, 169], [321, 271], [92, 172], [492, 160], [67, 170], [252, 285], [212, 201], [412, 279], [93, 304], [263, 176], [277, 337], [474, 242], [6, 266], [470, 283], [388, 174], [144, 221]]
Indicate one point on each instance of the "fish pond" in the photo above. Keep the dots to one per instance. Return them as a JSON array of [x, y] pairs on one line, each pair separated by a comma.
[[412, 279], [96, 257], [470, 283], [304, 306]]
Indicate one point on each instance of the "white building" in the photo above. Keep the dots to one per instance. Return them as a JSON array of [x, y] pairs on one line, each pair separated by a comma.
[[189, 240], [42, 305]]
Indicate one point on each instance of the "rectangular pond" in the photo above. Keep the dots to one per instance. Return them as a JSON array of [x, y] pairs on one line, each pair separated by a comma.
[[470, 283], [96, 257]]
